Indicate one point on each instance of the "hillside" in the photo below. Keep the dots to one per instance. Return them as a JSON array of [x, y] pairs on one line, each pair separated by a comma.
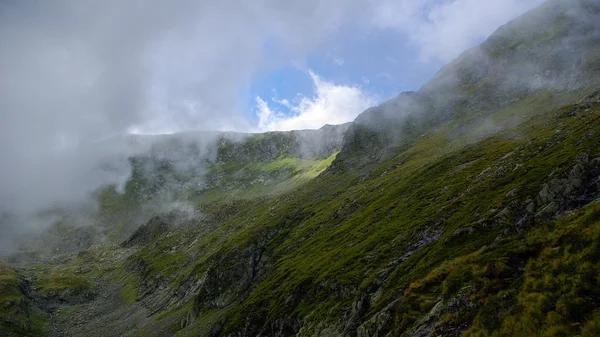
[[468, 208]]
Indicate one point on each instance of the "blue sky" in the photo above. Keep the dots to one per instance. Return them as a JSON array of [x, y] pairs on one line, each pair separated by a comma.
[[80, 71], [89, 70], [382, 64], [408, 44]]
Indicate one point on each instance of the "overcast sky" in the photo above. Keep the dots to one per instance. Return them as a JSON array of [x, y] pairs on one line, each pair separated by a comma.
[[74, 72]]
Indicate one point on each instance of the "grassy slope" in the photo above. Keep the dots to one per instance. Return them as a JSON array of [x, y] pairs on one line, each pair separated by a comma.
[[18, 317], [392, 231], [225, 180], [391, 234], [348, 237], [78, 278], [428, 239], [248, 180]]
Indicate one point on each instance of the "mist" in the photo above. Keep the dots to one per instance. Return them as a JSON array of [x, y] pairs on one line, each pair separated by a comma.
[[78, 73], [548, 50], [79, 76]]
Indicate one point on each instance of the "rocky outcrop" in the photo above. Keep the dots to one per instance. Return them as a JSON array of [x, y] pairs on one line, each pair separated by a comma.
[[579, 187], [153, 229], [410, 233], [228, 278]]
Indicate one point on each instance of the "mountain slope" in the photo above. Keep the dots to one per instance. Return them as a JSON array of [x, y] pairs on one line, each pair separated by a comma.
[[470, 207]]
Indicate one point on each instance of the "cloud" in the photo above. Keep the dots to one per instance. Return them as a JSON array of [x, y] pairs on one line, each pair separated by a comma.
[[331, 104], [441, 30], [75, 72]]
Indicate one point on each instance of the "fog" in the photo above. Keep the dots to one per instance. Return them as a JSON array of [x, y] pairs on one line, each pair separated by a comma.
[[77, 76], [552, 49], [76, 72]]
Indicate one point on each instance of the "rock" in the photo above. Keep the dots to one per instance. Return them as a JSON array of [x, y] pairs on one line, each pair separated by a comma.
[[464, 230], [513, 192], [379, 324], [530, 206], [153, 229], [427, 323], [228, 278], [571, 191], [547, 212]]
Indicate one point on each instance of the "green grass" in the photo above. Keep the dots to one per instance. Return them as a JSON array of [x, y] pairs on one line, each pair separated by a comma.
[[62, 281], [243, 180], [18, 317], [426, 222], [400, 225], [344, 239]]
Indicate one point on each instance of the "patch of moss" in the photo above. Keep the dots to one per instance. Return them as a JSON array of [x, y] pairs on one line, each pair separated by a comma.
[[18, 317], [62, 281]]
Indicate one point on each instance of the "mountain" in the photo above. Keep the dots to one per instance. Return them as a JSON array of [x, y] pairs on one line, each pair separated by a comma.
[[468, 208]]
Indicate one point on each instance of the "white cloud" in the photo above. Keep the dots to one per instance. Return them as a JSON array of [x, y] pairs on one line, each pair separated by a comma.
[[283, 102], [441, 30], [332, 104], [82, 70]]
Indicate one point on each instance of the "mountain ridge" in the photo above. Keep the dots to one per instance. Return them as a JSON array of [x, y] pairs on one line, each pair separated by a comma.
[[469, 208]]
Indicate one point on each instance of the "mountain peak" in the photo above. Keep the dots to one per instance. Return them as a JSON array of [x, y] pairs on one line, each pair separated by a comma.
[[468, 208]]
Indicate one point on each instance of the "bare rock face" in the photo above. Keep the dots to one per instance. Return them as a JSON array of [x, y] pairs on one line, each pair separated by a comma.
[[578, 188], [228, 279], [418, 227], [154, 228]]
